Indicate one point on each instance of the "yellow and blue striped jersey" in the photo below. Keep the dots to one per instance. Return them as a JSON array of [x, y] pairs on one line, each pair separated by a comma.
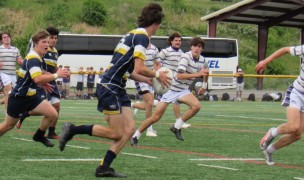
[[132, 45], [31, 68], [50, 59]]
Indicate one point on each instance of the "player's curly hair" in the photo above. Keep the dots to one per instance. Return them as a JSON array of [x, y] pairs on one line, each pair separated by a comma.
[[172, 36], [52, 31], [150, 14]]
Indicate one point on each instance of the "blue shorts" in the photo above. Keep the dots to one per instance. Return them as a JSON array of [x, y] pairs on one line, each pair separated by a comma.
[[17, 105], [111, 99]]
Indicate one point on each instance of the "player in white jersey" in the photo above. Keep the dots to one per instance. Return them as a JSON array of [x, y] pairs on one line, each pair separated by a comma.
[[169, 57], [294, 101], [145, 90], [9, 55], [191, 65]]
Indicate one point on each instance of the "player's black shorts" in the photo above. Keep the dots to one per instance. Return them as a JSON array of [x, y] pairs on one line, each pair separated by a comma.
[[17, 105], [111, 99], [79, 86], [90, 85]]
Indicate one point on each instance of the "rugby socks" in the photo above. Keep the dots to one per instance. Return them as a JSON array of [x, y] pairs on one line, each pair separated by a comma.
[[137, 134], [82, 129], [178, 124], [51, 130], [108, 159], [39, 133], [150, 128], [270, 148], [274, 132]]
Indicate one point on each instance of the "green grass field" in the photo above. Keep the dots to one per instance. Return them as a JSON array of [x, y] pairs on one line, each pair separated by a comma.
[[222, 143]]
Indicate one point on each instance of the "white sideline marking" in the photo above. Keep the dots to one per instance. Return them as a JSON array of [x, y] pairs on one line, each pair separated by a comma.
[[257, 118], [298, 178], [54, 160], [140, 155], [220, 167], [227, 159], [80, 147], [22, 139]]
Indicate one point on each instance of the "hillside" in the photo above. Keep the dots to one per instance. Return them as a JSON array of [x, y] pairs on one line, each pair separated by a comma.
[[22, 18]]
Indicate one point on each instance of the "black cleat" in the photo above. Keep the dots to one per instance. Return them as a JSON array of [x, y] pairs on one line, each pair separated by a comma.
[[43, 140], [134, 141], [177, 132], [108, 172], [66, 135], [52, 135]]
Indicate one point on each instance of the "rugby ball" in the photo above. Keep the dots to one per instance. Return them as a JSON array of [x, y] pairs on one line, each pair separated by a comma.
[[158, 88]]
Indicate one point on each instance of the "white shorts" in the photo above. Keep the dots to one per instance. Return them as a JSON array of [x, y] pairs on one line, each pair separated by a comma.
[[173, 96], [240, 87], [54, 100], [294, 98], [8, 79], [142, 86]]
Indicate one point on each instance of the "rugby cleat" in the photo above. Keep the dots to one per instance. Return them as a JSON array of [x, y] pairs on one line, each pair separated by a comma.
[[66, 135], [134, 141], [108, 172], [268, 158], [266, 140], [43, 140], [177, 133]]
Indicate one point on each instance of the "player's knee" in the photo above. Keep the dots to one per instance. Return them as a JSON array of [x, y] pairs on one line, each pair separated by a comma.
[[155, 118], [117, 135], [294, 129], [196, 107]]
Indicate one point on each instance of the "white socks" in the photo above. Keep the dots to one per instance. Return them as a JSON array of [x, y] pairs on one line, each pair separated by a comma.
[[137, 134], [274, 132], [150, 128], [178, 124]]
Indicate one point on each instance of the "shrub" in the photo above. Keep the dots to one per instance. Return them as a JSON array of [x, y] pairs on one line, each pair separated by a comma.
[[94, 13]]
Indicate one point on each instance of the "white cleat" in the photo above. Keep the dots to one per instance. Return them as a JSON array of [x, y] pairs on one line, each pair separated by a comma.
[[268, 158], [151, 133], [185, 126]]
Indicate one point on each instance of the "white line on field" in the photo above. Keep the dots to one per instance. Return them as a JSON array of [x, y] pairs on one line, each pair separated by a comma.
[[56, 160], [139, 155], [298, 178], [257, 118], [22, 139], [220, 167], [80, 147], [227, 159]]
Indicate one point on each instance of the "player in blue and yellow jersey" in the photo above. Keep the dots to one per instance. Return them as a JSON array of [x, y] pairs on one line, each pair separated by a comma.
[[24, 97], [127, 62], [49, 65]]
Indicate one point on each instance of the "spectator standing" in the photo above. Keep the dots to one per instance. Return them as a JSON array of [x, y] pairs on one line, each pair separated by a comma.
[[66, 81], [80, 80], [91, 82], [239, 84], [9, 55]]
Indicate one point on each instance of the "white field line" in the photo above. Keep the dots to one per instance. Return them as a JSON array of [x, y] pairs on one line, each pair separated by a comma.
[[79, 147], [22, 139], [220, 167], [139, 155], [62, 159], [257, 118], [298, 178], [227, 159]]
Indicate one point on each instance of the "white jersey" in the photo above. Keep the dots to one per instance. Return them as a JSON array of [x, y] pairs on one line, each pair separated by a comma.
[[189, 65], [299, 82], [8, 57], [151, 54], [169, 58]]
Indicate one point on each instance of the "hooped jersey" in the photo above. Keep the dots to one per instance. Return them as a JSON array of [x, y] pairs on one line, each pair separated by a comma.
[[132, 45], [50, 59], [31, 68]]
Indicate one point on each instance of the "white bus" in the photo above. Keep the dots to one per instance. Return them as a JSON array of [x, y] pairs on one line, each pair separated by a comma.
[[221, 53]]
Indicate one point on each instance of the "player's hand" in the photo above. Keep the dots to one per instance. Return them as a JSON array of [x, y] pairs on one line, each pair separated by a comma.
[[204, 72], [201, 91], [62, 73], [259, 68], [149, 81], [164, 79], [47, 87], [20, 61]]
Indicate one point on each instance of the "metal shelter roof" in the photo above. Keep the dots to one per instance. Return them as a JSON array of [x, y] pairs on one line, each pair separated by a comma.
[[287, 13], [263, 13]]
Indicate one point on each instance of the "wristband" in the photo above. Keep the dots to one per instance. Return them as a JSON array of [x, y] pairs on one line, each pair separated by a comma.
[[55, 75], [156, 74], [205, 84]]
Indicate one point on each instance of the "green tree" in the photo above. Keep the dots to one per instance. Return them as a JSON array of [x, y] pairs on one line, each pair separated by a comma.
[[94, 13]]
